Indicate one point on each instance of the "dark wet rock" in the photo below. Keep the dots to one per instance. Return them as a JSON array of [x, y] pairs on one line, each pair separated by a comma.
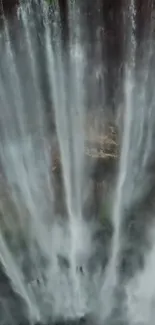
[[9, 6], [80, 269], [78, 321], [103, 169]]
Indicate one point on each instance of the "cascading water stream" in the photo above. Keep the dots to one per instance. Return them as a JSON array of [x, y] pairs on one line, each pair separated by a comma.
[[56, 282], [69, 122], [23, 153], [135, 156], [26, 164], [112, 272], [7, 260], [140, 291]]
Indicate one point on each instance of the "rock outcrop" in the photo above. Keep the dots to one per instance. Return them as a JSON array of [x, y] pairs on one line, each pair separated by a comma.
[[8, 6]]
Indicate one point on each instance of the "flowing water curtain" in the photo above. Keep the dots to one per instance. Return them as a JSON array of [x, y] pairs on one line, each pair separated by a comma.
[[111, 279], [139, 291], [25, 159]]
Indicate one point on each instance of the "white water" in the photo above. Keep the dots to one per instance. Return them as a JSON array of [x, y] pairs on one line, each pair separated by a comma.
[[136, 151], [112, 272], [141, 290], [50, 291], [25, 152]]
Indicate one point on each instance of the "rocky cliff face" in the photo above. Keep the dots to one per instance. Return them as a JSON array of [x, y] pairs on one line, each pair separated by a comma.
[[9, 6], [101, 160]]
